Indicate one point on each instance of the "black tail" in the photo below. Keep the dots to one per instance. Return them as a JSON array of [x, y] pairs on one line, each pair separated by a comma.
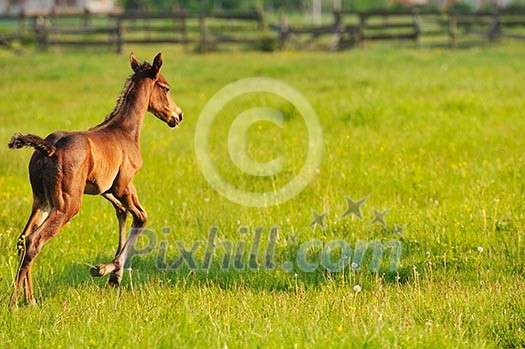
[[19, 141]]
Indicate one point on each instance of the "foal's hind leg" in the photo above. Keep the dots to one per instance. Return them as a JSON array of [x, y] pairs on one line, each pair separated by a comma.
[[32, 244], [38, 215], [132, 204], [58, 216]]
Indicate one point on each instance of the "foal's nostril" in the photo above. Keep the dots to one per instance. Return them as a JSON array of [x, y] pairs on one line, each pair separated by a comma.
[[180, 116]]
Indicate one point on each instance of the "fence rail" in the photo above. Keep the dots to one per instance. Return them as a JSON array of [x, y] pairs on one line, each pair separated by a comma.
[[208, 31]]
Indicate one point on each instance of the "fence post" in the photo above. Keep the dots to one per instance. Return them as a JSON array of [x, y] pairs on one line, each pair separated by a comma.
[[452, 29], [204, 34], [284, 31], [185, 37], [41, 32], [495, 27], [417, 26], [86, 17], [360, 37], [53, 16], [120, 35], [338, 31], [261, 20], [21, 25]]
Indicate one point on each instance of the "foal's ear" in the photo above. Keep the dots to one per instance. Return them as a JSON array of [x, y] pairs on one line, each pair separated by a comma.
[[157, 62], [135, 64]]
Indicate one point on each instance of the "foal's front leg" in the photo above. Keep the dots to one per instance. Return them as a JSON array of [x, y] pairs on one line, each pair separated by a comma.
[[122, 215], [131, 202]]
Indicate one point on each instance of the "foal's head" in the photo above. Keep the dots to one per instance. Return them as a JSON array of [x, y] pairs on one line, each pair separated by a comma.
[[160, 102]]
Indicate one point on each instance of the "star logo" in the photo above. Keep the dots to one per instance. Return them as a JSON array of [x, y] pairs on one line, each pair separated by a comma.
[[354, 207], [291, 239], [379, 218], [399, 229], [318, 219]]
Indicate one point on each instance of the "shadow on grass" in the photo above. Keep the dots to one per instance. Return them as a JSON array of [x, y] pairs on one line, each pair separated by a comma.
[[145, 273]]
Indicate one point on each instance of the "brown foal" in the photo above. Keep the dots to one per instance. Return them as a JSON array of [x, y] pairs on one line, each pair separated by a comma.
[[101, 160]]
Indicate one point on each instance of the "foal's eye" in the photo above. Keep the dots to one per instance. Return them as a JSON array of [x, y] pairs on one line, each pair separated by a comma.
[[166, 88]]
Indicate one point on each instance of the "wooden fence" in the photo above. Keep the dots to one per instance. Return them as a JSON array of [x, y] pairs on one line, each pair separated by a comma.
[[451, 29], [205, 32]]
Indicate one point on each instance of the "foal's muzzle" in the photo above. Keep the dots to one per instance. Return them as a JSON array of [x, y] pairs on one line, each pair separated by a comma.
[[176, 118]]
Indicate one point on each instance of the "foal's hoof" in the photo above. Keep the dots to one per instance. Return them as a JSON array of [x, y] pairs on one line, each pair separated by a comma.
[[13, 304], [99, 270], [115, 279]]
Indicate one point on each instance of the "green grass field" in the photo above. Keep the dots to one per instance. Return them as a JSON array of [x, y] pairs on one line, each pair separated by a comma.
[[435, 136]]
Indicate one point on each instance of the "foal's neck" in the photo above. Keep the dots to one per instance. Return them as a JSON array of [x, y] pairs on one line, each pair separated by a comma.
[[131, 107]]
